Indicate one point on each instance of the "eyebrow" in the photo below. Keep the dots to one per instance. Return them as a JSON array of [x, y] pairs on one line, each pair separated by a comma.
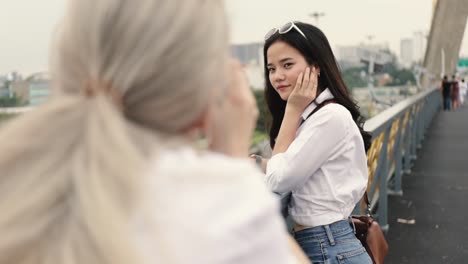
[[281, 61]]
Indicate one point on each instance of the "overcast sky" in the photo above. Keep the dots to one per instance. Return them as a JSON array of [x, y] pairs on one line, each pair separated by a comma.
[[26, 25]]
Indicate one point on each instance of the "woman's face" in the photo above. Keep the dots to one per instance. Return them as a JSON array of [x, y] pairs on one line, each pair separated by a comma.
[[284, 64]]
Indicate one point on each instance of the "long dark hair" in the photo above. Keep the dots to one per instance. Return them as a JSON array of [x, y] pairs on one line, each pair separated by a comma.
[[316, 51]]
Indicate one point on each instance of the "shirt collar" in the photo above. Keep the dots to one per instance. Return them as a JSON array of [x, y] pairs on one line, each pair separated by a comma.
[[325, 95]]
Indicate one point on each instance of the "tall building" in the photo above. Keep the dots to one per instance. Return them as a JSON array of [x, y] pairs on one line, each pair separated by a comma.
[[33, 90], [406, 52], [353, 56], [348, 56], [251, 53], [4, 92], [251, 57], [39, 88], [419, 46], [412, 50]]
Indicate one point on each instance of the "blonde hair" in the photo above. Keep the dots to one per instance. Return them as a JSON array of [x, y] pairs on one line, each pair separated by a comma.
[[70, 169]]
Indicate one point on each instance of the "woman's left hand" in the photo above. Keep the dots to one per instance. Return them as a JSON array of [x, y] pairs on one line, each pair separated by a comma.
[[234, 120], [305, 90]]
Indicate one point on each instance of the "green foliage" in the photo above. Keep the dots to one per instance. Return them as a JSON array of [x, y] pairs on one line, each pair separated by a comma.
[[352, 77], [10, 101], [259, 97], [259, 137], [399, 76], [4, 117]]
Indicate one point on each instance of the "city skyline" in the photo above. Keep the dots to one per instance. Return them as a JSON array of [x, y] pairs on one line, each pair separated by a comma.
[[346, 23], [27, 26]]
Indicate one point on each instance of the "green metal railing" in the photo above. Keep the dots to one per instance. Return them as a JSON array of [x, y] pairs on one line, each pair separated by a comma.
[[397, 133]]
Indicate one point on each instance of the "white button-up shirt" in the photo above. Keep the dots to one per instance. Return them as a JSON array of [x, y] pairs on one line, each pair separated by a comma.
[[211, 209], [325, 166]]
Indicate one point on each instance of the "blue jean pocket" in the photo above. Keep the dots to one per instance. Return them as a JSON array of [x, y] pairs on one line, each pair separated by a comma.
[[353, 257]]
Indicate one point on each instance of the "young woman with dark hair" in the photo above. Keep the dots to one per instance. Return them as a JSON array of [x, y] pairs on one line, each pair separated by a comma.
[[319, 145]]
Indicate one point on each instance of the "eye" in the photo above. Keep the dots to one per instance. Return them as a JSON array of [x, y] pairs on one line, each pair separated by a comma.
[[288, 65], [271, 70]]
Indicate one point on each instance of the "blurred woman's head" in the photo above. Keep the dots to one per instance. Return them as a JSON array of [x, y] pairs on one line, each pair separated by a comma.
[[123, 72], [164, 57]]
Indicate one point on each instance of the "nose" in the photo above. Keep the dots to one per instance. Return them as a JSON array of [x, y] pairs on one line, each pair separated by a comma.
[[278, 76]]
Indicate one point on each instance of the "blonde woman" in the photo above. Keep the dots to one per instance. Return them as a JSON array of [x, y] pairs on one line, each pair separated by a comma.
[[108, 171]]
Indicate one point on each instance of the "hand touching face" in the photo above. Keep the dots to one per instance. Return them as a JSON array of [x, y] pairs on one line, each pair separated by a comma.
[[287, 68], [234, 119], [305, 90]]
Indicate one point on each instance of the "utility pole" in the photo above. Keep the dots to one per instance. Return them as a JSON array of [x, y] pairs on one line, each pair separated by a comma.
[[317, 16]]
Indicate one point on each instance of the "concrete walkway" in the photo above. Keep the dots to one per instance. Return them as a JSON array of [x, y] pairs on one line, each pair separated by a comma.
[[435, 195]]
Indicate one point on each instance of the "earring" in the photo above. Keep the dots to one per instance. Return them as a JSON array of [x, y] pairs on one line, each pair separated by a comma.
[[201, 140]]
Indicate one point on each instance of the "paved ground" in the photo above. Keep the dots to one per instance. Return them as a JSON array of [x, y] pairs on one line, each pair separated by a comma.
[[435, 195]]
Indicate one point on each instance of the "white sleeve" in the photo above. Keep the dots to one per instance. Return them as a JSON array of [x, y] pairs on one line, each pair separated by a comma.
[[323, 134], [216, 212], [250, 229]]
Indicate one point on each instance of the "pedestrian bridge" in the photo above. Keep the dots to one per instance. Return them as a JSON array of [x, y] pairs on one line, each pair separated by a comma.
[[418, 179]]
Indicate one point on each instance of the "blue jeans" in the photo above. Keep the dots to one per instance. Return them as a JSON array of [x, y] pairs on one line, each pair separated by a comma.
[[447, 103], [334, 243]]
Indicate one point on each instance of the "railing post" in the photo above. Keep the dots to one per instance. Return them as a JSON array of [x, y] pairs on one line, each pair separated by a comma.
[[414, 133], [423, 121], [397, 150], [419, 126], [383, 179], [408, 139]]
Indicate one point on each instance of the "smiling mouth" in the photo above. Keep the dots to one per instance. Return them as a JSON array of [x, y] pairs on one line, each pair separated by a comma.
[[281, 88]]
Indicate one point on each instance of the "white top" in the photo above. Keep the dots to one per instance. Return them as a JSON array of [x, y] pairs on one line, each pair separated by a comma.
[[325, 166], [208, 208], [463, 86]]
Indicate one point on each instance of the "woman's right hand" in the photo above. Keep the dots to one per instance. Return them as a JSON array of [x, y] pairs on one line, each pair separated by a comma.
[[305, 90], [236, 116], [302, 95]]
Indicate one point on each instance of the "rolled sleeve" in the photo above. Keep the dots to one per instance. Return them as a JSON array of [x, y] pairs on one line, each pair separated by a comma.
[[322, 135]]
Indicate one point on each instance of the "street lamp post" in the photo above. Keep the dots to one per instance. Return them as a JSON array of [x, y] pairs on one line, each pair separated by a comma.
[[317, 15]]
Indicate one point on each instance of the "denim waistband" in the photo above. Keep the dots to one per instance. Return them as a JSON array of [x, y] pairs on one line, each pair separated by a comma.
[[326, 231]]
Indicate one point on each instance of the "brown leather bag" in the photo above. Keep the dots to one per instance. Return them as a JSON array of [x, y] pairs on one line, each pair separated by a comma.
[[370, 234]]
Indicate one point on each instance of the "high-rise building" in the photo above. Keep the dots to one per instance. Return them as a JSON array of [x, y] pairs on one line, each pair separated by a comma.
[[419, 46], [251, 57], [406, 52], [250, 53], [39, 89], [412, 50], [348, 56], [353, 56]]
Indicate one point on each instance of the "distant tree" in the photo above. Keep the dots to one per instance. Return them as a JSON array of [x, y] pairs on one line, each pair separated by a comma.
[[399, 76], [352, 77], [10, 101], [259, 97]]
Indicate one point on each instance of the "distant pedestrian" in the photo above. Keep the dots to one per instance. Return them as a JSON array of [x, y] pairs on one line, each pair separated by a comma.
[[446, 87], [455, 93], [463, 89]]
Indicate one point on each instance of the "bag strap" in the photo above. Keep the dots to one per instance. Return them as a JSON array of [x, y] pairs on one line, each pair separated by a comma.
[[322, 104], [368, 204], [366, 197]]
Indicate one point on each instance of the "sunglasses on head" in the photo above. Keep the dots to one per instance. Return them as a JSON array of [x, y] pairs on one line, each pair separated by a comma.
[[283, 30]]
